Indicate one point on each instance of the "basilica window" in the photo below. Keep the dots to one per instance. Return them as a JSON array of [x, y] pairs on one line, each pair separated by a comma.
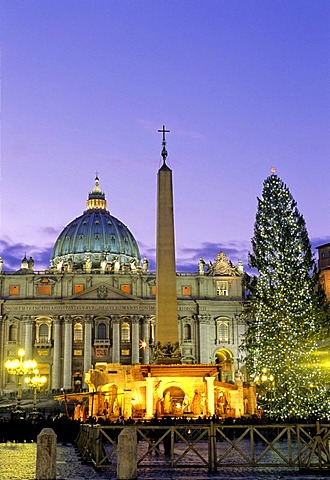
[[44, 289], [78, 287], [186, 291], [101, 331], [43, 333], [12, 333], [77, 333], [13, 289], [223, 331], [222, 288], [186, 332], [153, 289], [125, 332], [125, 288]]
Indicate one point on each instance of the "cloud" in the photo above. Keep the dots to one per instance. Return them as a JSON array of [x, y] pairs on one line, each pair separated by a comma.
[[318, 241], [13, 253], [51, 231], [187, 257]]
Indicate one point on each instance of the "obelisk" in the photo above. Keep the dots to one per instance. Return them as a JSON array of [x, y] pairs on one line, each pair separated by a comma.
[[167, 345]]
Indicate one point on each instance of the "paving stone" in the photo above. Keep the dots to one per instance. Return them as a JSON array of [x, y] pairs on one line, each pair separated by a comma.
[[18, 462]]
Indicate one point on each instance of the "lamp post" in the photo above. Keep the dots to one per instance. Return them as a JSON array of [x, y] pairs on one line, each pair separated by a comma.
[[19, 368], [144, 345], [35, 382]]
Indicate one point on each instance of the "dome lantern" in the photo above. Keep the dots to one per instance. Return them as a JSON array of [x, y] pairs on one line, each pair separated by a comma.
[[96, 198]]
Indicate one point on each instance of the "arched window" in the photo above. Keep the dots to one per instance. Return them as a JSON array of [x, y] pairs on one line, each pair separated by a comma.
[[77, 332], [12, 333], [187, 332], [43, 333], [101, 331], [223, 331], [125, 332]]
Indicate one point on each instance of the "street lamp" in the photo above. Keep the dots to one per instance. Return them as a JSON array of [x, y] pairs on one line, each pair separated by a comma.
[[35, 382], [148, 345], [19, 368]]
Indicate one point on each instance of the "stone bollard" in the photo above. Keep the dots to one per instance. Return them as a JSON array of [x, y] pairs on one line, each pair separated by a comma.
[[127, 454], [46, 454]]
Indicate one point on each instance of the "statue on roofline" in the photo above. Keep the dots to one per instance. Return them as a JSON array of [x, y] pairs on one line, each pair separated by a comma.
[[223, 266]]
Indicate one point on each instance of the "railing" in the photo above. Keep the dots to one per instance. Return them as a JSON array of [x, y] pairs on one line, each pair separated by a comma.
[[212, 446]]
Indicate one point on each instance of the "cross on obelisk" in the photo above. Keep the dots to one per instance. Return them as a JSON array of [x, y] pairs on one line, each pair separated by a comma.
[[164, 151]]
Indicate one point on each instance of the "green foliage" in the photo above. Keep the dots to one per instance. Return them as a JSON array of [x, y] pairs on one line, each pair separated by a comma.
[[284, 312]]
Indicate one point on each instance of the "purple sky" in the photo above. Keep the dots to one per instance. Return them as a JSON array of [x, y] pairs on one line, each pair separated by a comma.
[[85, 85]]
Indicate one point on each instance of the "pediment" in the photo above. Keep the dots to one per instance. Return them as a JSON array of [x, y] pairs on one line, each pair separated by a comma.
[[102, 291]]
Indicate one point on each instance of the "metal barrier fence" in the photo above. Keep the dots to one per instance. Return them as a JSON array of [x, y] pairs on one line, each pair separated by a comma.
[[212, 446]]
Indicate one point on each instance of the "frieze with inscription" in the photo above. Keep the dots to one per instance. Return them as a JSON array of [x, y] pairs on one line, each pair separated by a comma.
[[55, 309]]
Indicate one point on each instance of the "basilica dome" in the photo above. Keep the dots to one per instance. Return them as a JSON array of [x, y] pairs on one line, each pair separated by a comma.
[[94, 239]]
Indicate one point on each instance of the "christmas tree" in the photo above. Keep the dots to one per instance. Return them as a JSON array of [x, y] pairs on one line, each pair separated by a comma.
[[284, 311]]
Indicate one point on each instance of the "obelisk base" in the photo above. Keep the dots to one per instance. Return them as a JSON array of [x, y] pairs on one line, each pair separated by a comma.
[[167, 354]]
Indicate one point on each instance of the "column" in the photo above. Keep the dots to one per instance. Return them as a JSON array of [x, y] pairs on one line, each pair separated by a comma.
[[2, 354], [116, 340], [67, 364], [87, 347], [210, 394], [204, 338], [150, 397], [56, 377], [127, 404], [135, 339], [239, 404], [146, 337], [28, 347]]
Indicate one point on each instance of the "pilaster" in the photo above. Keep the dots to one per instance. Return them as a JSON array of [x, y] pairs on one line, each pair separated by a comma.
[[116, 340], [210, 394], [146, 338], [67, 364], [87, 346], [28, 327], [135, 339], [149, 397], [204, 337], [56, 378]]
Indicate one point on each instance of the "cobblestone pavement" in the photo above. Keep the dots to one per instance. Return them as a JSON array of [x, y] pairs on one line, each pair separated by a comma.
[[18, 462]]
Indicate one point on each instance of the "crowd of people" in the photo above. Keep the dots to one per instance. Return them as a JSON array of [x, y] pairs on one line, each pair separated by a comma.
[[19, 428], [22, 428]]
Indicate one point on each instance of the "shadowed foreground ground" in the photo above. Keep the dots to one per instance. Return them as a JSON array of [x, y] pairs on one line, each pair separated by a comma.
[[18, 462]]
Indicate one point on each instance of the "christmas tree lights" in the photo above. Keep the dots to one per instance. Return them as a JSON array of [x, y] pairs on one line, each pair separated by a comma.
[[284, 312]]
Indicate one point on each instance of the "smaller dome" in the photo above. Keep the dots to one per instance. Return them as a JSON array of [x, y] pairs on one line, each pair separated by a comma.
[[95, 237]]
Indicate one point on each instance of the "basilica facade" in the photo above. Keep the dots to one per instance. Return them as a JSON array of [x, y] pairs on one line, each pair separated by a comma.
[[96, 304]]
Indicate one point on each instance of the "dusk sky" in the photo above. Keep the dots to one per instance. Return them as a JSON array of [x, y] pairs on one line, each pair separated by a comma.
[[242, 86]]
